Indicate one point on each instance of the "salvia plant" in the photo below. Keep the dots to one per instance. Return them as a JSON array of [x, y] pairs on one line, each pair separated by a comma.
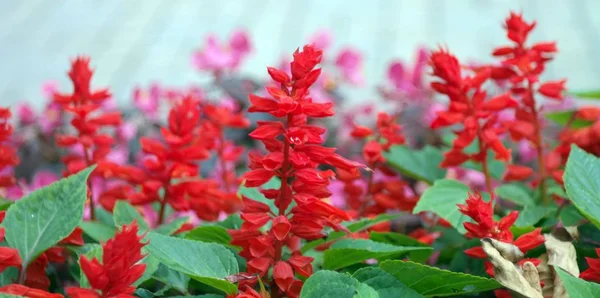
[[465, 180]]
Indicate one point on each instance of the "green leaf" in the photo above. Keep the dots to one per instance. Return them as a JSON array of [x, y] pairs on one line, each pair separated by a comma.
[[9, 276], [576, 287], [4, 204], [353, 227], [98, 231], [2, 295], [46, 216], [104, 216], [210, 234], [442, 198], [347, 252], [421, 164], [208, 263], [582, 182], [331, 284], [570, 216], [171, 227], [233, 222], [124, 214], [515, 193], [151, 267], [590, 94], [398, 239], [386, 285], [434, 282], [496, 168], [171, 278], [563, 117], [530, 215]]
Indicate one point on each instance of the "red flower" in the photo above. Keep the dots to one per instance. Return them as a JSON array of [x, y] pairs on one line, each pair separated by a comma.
[[468, 106], [484, 226], [522, 65], [23, 291], [517, 173], [593, 272], [8, 154], [119, 268], [295, 152], [9, 257]]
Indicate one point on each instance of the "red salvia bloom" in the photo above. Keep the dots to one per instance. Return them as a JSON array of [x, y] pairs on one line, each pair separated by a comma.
[[9, 257], [295, 152], [8, 154], [119, 269], [176, 158], [593, 272], [484, 226], [88, 120], [469, 107], [522, 66], [385, 194], [23, 291]]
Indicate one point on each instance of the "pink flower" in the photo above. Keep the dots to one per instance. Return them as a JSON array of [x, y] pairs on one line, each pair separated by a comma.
[[218, 57], [349, 62], [410, 81], [25, 114], [40, 179], [49, 88], [148, 102], [322, 39], [50, 118], [526, 151]]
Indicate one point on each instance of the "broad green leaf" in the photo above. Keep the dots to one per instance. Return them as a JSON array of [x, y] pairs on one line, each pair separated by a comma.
[[325, 284], [98, 231], [421, 164], [386, 285], [563, 117], [582, 182], [210, 234], [233, 222], [208, 263], [570, 216], [516, 194], [125, 214], [151, 266], [353, 227], [4, 204], [590, 94], [530, 215], [44, 217], [398, 239], [434, 282], [2, 295], [104, 216], [171, 278], [442, 198], [347, 252], [171, 227], [576, 287]]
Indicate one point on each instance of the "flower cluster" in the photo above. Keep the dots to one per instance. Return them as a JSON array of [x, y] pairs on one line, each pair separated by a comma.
[[388, 192], [294, 156], [89, 145], [593, 272], [119, 269], [219, 58], [484, 226], [521, 65], [8, 154], [468, 106]]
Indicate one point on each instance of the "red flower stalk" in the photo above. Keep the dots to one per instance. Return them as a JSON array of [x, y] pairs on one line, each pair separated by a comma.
[[593, 272], [295, 152], [172, 166], [468, 106], [85, 105], [8, 154], [484, 226], [119, 269], [387, 194], [217, 120], [522, 66]]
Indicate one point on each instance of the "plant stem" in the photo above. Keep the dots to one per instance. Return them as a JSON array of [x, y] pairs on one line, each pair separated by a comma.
[[163, 207], [368, 195], [539, 147], [89, 185]]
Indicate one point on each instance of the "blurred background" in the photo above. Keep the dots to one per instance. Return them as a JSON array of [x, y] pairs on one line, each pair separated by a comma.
[[135, 43]]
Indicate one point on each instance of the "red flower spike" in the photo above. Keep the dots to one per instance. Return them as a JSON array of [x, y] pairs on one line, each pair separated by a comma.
[[517, 173], [294, 156], [530, 240], [593, 272], [8, 155], [120, 266]]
